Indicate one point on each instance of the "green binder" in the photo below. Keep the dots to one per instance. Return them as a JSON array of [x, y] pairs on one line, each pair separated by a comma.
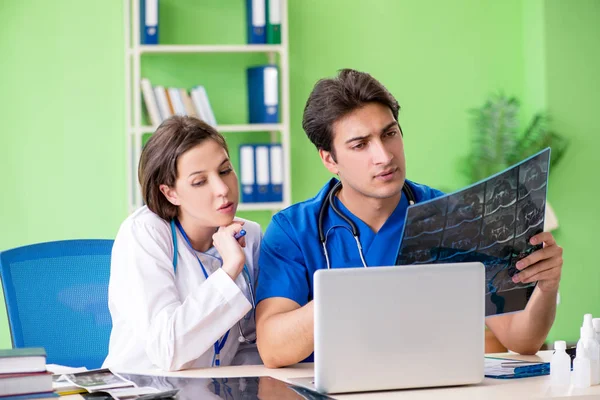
[[273, 21]]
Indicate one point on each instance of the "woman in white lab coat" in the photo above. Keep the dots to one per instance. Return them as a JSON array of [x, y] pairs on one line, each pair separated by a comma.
[[181, 284]]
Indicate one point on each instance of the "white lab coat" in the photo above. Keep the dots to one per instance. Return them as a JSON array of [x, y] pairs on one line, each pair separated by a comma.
[[171, 321]]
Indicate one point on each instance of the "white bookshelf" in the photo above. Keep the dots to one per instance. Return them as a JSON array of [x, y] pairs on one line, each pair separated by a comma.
[[277, 54], [245, 48]]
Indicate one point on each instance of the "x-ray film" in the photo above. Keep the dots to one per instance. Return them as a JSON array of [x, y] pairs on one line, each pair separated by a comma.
[[490, 222]]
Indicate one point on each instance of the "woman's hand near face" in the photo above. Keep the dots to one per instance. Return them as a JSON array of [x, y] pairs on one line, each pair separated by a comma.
[[230, 248]]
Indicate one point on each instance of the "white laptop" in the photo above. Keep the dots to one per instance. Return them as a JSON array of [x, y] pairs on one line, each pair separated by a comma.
[[398, 327]]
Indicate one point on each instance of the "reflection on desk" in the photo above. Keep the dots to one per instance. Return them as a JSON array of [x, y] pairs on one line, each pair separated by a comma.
[[489, 389], [240, 388]]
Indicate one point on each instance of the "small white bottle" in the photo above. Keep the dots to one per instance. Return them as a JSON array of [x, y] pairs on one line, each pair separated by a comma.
[[560, 365], [596, 325], [582, 377], [589, 349]]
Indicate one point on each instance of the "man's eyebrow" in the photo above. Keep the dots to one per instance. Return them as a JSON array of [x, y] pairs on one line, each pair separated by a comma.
[[385, 128], [199, 172], [388, 126]]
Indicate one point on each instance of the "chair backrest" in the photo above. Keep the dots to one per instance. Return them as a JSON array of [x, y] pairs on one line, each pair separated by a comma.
[[56, 296]]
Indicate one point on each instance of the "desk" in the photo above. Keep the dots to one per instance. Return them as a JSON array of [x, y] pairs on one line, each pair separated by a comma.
[[507, 389]]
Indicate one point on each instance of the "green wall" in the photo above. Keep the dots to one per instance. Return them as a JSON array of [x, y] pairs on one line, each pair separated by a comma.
[[572, 48], [62, 149]]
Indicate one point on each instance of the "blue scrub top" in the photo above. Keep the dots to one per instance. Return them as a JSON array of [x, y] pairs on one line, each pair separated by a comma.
[[291, 251]]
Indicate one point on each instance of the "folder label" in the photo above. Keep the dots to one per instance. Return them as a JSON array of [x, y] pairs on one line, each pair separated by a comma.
[[275, 12], [247, 173], [271, 95], [258, 13], [262, 172]]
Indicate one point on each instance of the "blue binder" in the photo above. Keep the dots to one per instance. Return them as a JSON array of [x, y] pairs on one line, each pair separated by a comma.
[[247, 173], [261, 159], [149, 21], [276, 173], [256, 14], [263, 94]]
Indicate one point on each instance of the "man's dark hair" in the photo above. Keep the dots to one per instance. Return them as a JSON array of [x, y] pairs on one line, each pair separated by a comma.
[[333, 98]]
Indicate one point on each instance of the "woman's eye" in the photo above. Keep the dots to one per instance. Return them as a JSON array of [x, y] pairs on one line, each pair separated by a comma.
[[227, 171], [359, 146], [199, 183]]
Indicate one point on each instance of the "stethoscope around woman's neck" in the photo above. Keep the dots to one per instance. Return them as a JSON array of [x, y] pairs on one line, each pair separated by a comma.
[[329, 201], [175, 224]]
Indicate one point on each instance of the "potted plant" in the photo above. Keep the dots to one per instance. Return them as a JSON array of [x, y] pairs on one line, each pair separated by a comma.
[[498, 142]]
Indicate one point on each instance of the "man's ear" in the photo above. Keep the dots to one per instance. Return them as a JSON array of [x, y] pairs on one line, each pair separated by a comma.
[[170, 194], [328, 161]]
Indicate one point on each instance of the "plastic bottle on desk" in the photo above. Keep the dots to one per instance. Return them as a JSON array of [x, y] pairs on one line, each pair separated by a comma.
[[560, 365], [582, 377], [589, 350], [596, 325]]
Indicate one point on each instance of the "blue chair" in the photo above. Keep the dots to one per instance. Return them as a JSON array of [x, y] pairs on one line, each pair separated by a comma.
[[56, 297]]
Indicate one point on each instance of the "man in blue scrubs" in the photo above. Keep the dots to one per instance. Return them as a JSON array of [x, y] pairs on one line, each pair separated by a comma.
[[353, 121]]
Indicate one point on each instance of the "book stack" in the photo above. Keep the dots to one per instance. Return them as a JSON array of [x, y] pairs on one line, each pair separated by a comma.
[[161, 103], [23, 374]]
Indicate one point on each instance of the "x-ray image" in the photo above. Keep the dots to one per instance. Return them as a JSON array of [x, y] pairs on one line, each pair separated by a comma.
[[463, 238], [421, 250], [498, 227], [490, 222], [430, 218], [465, 206], [500, 251], [531, 211], [501, 191], [533, 174]]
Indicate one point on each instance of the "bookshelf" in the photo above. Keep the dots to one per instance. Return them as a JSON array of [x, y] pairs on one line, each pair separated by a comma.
[[137, 128]]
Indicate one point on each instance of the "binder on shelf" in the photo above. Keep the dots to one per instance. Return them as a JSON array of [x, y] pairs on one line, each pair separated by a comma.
[[176, 101], [256, 21], [247, 173], [261, 156], [148, 21], [273, 21], [150, 102], [263, 94], [163, 103], [276, 173]]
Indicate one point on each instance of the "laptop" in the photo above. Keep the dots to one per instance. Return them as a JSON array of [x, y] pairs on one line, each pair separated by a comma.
[[398, 327]]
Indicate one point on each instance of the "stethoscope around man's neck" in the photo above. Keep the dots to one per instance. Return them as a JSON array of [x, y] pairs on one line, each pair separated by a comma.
[[329, 201]]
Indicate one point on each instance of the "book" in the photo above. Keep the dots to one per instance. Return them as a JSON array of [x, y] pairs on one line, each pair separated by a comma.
[[163, 103], [30, 359], [187, 103], [15, 384], [150, 102]]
